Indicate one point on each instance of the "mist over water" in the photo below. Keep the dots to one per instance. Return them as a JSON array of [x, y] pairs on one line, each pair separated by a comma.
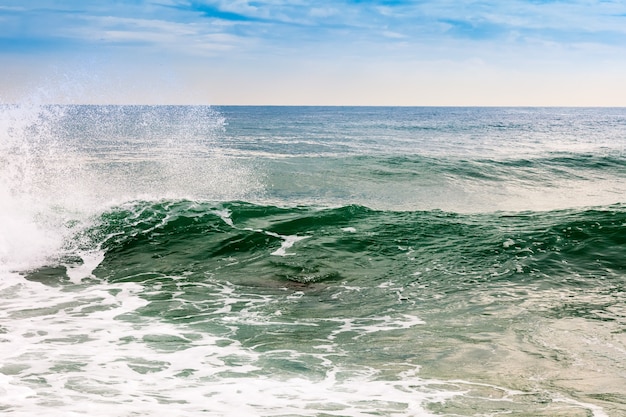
[[64, 164], [312, 261]]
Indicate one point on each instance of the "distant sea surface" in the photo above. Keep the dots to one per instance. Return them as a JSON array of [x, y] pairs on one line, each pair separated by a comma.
[[312, 261]]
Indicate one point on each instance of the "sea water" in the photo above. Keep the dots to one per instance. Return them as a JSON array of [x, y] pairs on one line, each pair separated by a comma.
[[312, 261]]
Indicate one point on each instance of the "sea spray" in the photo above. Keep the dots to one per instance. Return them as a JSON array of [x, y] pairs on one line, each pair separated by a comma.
[[31, 225], [60, 165]]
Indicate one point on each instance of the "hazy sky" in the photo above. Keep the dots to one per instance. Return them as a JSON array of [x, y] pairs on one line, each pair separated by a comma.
[[363, 52]]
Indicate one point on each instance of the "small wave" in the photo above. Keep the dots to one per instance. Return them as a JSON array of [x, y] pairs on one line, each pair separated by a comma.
[[175, 237]]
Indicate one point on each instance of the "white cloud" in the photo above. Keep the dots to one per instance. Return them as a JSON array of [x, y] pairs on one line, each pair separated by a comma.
[[393, 35], [323, 12], [191, 38]]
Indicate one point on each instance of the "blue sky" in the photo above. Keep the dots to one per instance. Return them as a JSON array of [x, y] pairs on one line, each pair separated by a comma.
[[370, 52]]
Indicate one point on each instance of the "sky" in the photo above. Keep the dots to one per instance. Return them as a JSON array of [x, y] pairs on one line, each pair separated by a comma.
[[301, 52]]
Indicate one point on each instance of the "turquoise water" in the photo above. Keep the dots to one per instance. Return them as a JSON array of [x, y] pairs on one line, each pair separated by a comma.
[[312, 261]]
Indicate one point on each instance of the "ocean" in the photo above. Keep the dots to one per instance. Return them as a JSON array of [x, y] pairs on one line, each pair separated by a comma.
[[312, 261]]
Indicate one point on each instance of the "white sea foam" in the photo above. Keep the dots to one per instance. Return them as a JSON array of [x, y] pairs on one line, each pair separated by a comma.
[[288, 242], [85, 351], [24, 242], [90, 261], [362, 327]]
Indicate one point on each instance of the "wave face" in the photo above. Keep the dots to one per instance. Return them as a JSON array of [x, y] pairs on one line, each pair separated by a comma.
[[312, 261], [352, 241]]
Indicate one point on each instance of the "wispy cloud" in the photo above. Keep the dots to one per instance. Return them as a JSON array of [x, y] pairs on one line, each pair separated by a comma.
[[131, 25], [324, 37], [154, 33], [278, 22]]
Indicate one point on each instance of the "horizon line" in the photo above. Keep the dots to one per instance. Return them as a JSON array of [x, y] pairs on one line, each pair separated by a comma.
[[547, 106]]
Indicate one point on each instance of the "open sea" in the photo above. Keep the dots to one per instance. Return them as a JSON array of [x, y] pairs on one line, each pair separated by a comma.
[[312, 261]]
